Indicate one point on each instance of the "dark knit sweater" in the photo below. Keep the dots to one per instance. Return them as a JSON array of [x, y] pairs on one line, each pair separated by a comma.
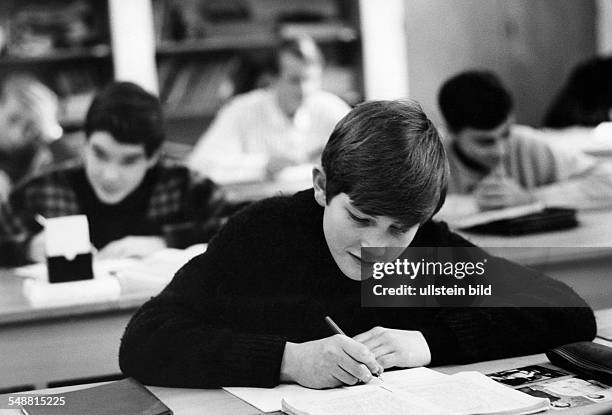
[[268, 277]]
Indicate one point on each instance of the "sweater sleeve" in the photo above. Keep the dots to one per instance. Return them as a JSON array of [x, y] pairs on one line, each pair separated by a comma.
[[462, 335], [558, 176], [218, 323]]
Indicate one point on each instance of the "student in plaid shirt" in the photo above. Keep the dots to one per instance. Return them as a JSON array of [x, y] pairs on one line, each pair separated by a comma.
[[129, 193]]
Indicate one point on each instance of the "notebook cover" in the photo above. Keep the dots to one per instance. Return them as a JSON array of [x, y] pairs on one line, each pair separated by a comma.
[[549, 219], [126, 396]]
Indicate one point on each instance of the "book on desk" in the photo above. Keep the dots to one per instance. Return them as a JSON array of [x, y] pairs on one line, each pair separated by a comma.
[[421, 390], [126, 396]]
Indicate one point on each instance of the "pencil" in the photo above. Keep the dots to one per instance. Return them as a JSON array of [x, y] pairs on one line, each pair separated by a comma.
[[40, 219]]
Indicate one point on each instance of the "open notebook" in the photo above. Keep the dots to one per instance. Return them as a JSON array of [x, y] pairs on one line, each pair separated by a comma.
[[412, 391]]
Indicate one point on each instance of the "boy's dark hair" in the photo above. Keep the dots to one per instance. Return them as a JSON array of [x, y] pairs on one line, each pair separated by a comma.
[[475, 99], [388, 158], [303, 48], [586, 97], [128, 113]]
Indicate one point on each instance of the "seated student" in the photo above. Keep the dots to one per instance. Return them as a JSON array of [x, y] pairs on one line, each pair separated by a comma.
[[28, 124], [123, 185], [250, 310], [266, 130], [586, 98], [506, 165]]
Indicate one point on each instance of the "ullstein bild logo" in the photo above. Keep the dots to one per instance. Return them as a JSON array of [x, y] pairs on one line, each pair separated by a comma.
[[449, 277]]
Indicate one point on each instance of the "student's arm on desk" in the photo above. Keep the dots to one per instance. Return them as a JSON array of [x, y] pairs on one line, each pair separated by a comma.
[[574, 178], [187, 335], [464, 335]]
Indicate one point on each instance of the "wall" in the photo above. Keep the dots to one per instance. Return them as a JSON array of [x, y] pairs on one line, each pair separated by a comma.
[[531, 44]]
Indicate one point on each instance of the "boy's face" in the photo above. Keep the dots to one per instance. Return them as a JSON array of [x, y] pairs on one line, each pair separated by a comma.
[[347, 230], [485, 147], [297, 80], [114, 169], [16, 129]]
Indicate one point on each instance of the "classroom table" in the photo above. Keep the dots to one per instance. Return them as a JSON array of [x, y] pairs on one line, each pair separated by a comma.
[[63, 343], [219, 402], [581, 256], [58, 343]]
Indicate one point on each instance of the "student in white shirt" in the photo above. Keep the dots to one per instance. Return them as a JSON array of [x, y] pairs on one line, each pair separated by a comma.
[[266, 130]]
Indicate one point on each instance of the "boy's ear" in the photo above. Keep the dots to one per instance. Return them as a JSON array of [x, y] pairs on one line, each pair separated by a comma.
[[319, 182]]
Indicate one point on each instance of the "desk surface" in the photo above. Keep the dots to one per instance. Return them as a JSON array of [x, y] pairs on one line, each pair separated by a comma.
[[591, 239], [14, 307], [219, 402]]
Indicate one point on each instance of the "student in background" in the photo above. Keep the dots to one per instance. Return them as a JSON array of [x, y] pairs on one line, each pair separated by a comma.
[[266, 130], [128, 191], [505, 165], [28, 124], [586, 98], [250, 310]]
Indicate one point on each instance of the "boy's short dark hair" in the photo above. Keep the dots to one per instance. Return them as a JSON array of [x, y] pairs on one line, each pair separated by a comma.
[[388, 158], [303, 48], [128, 113], [586, 97], [475, 99]]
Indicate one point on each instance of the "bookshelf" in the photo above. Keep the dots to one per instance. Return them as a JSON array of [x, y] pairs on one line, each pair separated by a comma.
[[64, 43], [210, 50]]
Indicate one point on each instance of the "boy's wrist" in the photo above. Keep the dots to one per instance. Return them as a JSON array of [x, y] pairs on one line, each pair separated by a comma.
[[287, 369]]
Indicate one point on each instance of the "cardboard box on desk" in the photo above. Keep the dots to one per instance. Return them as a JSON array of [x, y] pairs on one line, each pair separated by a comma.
[[68, 249], [69, 268]]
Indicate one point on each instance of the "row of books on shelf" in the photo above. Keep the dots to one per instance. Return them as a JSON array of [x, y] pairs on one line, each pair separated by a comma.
[[189, 20], [32, 29], [196, 88], [199, 88]]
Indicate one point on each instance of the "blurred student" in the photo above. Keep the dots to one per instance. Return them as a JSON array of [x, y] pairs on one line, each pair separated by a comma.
[[506, 165], [586, 98], [250, 310], [28, 124], [128, 191], [266, 130]]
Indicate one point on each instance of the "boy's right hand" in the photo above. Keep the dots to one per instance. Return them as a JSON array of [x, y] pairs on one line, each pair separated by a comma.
[[328, 362]]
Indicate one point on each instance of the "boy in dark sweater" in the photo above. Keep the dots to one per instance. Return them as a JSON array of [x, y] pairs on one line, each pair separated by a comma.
[[250, 310], [127, 190]]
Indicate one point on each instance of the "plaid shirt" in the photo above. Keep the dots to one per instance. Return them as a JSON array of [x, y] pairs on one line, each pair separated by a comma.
[[177, 193]]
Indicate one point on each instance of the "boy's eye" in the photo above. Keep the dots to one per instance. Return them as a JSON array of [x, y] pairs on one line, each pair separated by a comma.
[[357, 219], [99, 154], [129, 161], [398, 230]]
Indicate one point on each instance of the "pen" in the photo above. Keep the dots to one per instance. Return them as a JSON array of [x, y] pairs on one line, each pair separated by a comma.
[[40, 219], [336, 329]]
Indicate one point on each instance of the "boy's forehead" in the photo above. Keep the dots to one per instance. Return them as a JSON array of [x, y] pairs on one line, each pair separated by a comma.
[[105, 141]]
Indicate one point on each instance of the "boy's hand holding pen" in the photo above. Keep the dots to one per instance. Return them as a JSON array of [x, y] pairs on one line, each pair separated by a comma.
[[336, 329]]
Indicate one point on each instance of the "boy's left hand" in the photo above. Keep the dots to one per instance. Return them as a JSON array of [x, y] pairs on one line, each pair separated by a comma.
[[396, 348], [132, 246]]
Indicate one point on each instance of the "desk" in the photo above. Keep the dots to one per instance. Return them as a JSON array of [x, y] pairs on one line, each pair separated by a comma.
[[58, 343], [581, 257], [219, 402]]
